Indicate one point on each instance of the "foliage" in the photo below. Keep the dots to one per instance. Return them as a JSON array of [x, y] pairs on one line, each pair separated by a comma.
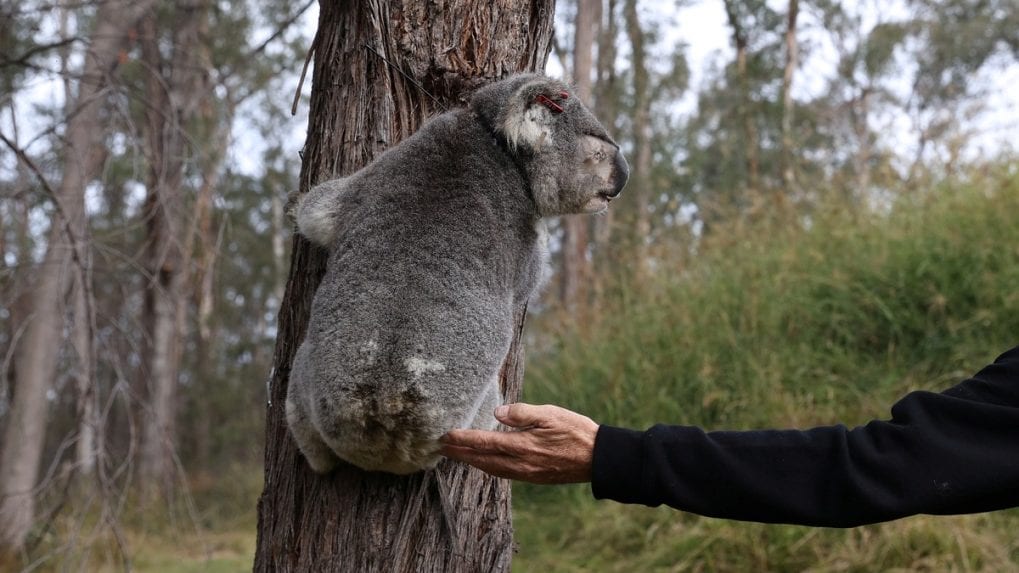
[[783, 325]]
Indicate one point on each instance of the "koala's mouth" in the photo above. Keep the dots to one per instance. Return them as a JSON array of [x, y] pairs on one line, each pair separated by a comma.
[[605, 196]]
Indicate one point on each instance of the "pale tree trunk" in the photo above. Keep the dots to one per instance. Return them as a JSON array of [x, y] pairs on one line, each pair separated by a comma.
[[81, 336], [576, 269], [605, 106], [860, 117], [791, 61], [26, 424], [202, 287], [88, 421], [453, 518], [203, 245], [639, 187], [173, 92], [739, 37]]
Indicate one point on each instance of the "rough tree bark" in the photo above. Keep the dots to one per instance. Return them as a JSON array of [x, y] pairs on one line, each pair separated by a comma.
[[606, 98], [173, 93], [575, 273], [36, 362], [453, 518]]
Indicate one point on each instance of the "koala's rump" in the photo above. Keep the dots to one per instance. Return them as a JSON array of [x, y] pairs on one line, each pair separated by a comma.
[[401, 356]]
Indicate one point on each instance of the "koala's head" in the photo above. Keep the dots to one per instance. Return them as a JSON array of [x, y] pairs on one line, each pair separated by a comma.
[[572, 163]]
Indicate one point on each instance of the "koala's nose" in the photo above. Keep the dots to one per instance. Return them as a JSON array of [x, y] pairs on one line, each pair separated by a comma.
[[621, 172]]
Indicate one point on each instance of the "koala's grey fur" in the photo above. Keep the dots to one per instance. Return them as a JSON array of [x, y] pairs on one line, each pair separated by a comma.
[[433, 248]]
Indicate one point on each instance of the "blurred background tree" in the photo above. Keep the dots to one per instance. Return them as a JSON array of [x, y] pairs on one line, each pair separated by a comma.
[[819, 219]]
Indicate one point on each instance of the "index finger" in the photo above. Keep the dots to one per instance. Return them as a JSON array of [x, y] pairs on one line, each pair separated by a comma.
[[481, 440]]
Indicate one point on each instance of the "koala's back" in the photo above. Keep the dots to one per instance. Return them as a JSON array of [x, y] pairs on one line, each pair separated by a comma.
[[435, 250]]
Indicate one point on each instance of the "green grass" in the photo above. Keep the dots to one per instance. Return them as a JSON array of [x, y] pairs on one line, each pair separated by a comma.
[[776, 325], [610, 538]]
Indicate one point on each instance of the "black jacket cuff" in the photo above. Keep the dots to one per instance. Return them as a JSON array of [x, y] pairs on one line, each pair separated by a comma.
[[617, 469]]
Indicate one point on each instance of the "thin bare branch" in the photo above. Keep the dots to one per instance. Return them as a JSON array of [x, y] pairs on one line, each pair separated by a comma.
[[22, 60]]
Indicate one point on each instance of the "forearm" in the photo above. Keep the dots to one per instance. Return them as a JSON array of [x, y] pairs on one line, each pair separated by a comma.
[[956, 452], [785, 476]]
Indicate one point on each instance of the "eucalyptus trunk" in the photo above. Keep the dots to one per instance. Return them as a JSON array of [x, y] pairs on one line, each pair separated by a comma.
[[575, 274], [381, 68], [639, 181], [173, 91], [742, 43], [606, 105], [791, 61]]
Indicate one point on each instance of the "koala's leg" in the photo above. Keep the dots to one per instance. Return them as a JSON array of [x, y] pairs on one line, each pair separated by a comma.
[[319, 456], [315, 211]]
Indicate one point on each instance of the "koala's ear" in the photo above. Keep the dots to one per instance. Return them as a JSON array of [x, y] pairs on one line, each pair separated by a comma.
[[520, 110], [530, 128]]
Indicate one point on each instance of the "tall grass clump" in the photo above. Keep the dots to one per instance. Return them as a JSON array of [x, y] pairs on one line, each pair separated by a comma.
[[786, 325]]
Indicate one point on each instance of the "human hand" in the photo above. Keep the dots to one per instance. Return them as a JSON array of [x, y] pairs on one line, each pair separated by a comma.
[[550, 445]]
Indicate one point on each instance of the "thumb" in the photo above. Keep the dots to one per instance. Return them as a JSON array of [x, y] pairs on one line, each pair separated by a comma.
[[519, 415]]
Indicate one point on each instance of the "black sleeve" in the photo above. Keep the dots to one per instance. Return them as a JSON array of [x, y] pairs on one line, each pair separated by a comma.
[[948, 453]]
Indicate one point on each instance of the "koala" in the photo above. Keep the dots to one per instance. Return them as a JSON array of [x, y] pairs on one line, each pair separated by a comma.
[[433, 248]]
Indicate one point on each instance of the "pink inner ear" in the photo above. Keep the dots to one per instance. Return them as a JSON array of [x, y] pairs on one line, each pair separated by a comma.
[[564, 95]]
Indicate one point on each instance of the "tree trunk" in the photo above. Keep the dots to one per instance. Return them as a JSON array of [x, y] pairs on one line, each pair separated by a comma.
[[791, 60], [202, 245], [202, 286], [739, 37], [576, 269], [453, 518], [859, 111], [173, 92], [606, 106], [81, 337], [36, 367], [639, 180], [88, 422]]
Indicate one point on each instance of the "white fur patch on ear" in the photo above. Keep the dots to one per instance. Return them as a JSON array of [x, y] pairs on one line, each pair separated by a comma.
[[531, 129]]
